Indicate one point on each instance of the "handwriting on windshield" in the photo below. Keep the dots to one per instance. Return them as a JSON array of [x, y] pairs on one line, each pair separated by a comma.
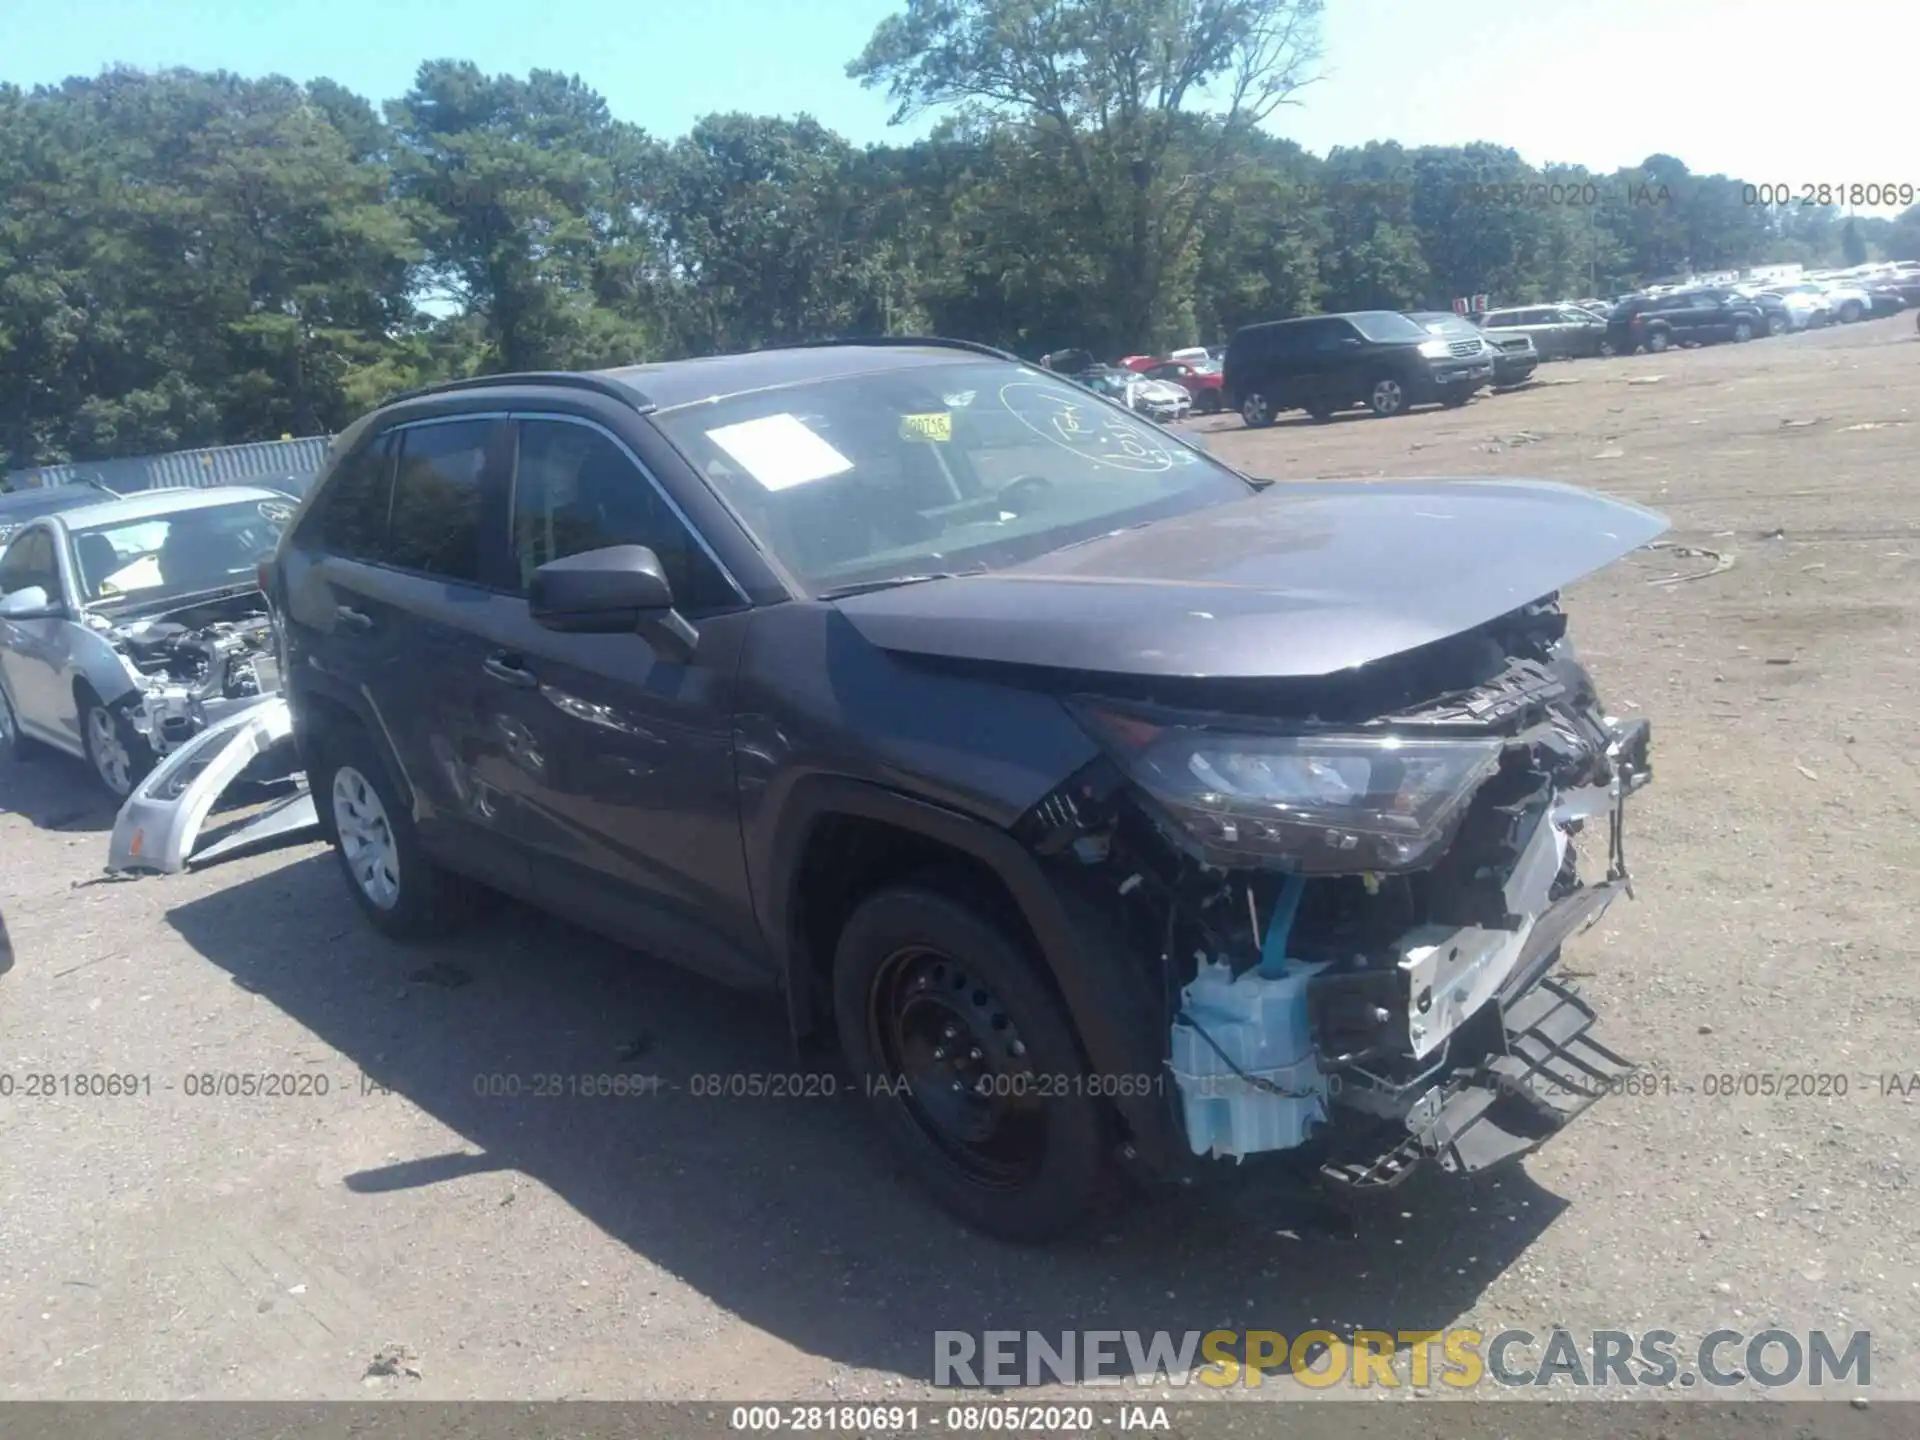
[[1081, 424]]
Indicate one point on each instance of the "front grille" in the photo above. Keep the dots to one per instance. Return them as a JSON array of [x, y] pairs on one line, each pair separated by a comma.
[[1464, 349]]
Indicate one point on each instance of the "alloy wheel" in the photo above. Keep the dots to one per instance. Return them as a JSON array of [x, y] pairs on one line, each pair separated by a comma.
[[1743, 332], [108, 751], [969, 1085], [366, 837], [1255, 410], [1387, 398]]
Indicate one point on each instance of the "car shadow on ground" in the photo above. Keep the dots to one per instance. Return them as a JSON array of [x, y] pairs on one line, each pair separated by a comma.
[[785, 1211], [56, 792]]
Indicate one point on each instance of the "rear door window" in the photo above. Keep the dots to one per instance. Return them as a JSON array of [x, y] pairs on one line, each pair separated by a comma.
[[440, 495]]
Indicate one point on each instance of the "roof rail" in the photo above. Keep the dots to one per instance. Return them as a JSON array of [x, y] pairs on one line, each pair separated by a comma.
[[970, 345], [560, 379]]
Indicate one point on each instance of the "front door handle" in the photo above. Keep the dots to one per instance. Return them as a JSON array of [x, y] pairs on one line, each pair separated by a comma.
[[503, 666], [351, 618]]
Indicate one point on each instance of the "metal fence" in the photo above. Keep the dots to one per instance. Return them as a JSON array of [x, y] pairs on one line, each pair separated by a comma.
[[220, 465]]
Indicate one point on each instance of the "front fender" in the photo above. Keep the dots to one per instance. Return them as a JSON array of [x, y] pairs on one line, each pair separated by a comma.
[[108, 673], [161, 820]]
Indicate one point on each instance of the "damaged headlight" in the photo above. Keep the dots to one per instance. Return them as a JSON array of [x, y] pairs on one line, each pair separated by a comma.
[[1333, 804]]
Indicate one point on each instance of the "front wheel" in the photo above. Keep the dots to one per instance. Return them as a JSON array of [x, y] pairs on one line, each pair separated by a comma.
[[1659, 341], [1742, 332], [119, 755], [969, 1061], [1850, 312], [1257, 411], [1386, 397]]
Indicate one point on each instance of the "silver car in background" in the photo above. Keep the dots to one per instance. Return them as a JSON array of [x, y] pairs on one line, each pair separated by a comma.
[[129, 626]]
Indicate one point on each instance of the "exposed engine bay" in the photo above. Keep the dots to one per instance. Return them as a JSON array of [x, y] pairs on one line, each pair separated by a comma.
[[1355, 887], [196, 664]]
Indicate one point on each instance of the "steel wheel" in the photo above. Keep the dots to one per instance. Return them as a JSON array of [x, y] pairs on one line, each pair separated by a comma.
[[366, 837], [1386, 397], [970, 1087], [112, 762]]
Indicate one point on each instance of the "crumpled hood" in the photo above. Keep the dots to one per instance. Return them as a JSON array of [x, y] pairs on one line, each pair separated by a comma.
[[1300, 579]]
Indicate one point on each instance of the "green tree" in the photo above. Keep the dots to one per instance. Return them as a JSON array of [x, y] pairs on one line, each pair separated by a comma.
[[525, 195], [1104, 88], [1853, 249]]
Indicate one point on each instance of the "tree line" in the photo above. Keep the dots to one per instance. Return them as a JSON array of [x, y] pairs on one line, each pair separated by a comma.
[[192, 258]]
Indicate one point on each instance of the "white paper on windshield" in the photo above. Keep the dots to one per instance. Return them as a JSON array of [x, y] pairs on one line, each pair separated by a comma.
[[780, 452]]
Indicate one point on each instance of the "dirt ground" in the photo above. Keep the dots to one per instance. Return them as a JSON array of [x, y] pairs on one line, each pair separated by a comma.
[[171, 1245]]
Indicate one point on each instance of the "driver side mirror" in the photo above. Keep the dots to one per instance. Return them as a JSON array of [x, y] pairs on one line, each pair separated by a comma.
[[30, 603], [618, 590]]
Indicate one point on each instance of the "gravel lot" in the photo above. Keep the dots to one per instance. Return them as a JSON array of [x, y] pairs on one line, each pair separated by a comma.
[[168, 1245]]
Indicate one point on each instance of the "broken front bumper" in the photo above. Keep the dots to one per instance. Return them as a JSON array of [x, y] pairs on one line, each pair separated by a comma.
[[162, 820]]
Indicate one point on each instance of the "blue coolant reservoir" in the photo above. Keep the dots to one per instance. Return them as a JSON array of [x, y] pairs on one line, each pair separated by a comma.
[[1259, 1024]]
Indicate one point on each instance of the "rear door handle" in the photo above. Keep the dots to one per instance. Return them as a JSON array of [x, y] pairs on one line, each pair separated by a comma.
[[503, 666], [351, 618]]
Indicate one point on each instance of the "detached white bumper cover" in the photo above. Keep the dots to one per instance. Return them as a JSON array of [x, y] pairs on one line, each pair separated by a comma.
[[162, 819]]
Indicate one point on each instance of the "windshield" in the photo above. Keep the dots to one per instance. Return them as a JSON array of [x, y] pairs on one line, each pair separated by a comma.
[[1386, 325], [163, 557], [1438, 324], [937, 468]]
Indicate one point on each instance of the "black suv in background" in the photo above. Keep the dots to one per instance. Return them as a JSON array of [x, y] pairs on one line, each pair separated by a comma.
[[1323, 363], [1684, 317], [1048, 762]]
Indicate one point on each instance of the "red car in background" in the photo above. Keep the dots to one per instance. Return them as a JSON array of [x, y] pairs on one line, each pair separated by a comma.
[[1200, 379], [1139, 362]]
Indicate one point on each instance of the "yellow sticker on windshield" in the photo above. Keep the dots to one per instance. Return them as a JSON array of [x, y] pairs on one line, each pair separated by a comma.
[[938, 426]]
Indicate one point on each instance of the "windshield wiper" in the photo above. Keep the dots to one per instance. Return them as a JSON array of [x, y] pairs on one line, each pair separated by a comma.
[[867, 587]]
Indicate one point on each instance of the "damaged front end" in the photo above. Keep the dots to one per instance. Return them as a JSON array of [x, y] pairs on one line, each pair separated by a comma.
[[191, 667], [1356, 887]]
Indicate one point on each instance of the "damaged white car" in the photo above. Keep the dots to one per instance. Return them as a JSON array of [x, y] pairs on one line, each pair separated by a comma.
[[130, 626]]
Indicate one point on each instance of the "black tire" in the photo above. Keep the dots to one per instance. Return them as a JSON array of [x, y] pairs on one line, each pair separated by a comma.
[[1209, 402], [919, 967], [1658, 341], [1453, 400], [118, 776], [14, 743], [427, 900], [1850, 312], [1256, 411]]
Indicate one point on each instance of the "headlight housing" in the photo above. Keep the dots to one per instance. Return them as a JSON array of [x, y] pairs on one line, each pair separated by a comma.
[[1312, 803], [1435, 349]]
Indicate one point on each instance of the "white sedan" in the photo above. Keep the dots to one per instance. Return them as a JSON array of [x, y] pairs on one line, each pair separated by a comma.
[[128, 626]]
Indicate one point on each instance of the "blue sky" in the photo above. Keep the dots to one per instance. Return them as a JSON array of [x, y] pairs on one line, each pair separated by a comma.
[[1749, 87]]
